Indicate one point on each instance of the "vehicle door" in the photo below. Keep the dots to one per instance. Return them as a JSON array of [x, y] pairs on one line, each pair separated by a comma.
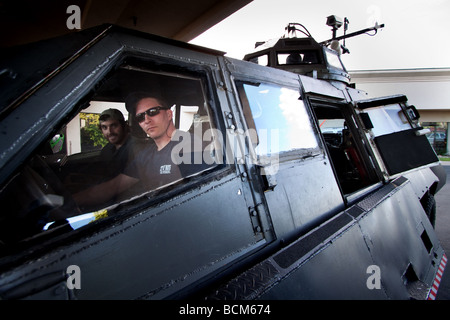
[[283, 148]]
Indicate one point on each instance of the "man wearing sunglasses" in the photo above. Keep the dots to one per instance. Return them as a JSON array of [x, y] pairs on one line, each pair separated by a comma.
[[154, 165], [155, 118]]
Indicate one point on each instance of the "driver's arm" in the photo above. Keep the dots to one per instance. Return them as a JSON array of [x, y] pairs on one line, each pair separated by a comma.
[[104, 191]]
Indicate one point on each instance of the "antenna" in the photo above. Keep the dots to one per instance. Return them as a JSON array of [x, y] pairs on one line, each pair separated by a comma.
[[292, 29], [335, 22]]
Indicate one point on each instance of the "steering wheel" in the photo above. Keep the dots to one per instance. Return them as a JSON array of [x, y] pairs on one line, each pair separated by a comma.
[[60, 208]]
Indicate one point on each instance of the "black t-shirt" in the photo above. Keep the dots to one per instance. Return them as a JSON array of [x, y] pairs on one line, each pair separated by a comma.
[[115, 160], [178, 159], [154, 168]]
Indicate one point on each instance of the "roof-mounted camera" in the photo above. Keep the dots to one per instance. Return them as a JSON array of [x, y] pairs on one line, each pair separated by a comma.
[[334, 21]]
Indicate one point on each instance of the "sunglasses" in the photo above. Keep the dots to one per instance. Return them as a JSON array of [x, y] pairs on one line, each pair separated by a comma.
[[140, 117]]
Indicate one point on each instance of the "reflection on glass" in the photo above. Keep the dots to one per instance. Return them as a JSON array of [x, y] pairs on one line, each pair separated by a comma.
[[77, 222], [333, 60], [388, 119], [281, 120]]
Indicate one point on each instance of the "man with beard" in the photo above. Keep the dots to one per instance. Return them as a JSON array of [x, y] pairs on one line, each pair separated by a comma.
[[118, 152]]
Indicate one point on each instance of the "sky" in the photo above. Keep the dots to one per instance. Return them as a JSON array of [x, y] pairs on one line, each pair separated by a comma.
[[416, 32]]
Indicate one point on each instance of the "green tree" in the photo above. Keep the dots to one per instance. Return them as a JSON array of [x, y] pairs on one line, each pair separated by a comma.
[[91, 135]]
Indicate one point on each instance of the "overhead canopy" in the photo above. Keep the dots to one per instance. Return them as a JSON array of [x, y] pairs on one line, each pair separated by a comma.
[[25, 68], [24, 21]]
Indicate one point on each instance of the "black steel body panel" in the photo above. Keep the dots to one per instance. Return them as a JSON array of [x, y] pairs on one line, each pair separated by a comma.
[[150, 256], [403, 151], [368, 233], [369, 103]]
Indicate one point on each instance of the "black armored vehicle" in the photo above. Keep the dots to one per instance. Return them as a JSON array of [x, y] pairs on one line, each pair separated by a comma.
[[278, 184]]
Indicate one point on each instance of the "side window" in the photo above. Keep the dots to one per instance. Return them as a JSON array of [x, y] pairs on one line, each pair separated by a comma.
[[388, 119], [298, 58], [279, 118], [333, 59], [140, 132], [262, 60]]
